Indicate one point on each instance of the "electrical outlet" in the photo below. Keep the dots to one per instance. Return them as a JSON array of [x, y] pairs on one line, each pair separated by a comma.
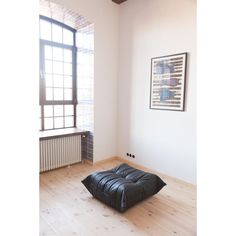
[[130, 155]]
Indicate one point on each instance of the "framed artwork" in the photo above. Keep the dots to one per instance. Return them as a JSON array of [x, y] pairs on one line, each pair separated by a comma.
[[168, 82]]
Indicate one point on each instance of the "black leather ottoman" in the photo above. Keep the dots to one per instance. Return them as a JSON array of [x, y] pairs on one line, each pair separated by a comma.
[[123, 186]]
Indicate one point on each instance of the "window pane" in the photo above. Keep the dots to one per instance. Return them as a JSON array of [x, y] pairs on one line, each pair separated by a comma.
[[48, 52], [45, 30], [68, 94], [69, 121], [58, 110], [48, 111], [68, 81], [48, 123], [58, 122], [48, 80], [56, 33], [67, 69], [57, 54], [49, 94], [67, 55], [58, 80], [48, 66], [67, 37], [57, 67], [58, 94], [69, 110]]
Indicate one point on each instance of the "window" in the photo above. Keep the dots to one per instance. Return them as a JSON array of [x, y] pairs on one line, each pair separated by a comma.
[[58, 96]]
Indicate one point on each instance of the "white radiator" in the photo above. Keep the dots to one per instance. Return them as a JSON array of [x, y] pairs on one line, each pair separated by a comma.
[[59, 151]]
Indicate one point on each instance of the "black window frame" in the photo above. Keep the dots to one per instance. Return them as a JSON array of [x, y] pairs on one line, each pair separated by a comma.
[[42, 86]]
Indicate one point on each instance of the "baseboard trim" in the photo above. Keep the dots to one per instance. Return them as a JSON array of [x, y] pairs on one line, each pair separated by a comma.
[[100, 161]]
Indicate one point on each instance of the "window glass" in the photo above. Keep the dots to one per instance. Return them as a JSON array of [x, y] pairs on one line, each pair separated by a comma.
[[48, 66], [48, 111], [69, 110], [48, 80], [67, 37], [67, 69], [68, 81], [58, 122], [58, 94], [67, 55], [48, 123], [68, 94], [58, 110], [57, 54], [58, 80], [56, 33], [57, 67], [45, 30], [48, 52], [69, 121], [49, 94]]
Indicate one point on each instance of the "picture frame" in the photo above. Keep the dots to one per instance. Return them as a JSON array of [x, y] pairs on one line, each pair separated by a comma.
[[168, 80]]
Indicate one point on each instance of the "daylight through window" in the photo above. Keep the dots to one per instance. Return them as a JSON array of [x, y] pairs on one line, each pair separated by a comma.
[[58, 96]]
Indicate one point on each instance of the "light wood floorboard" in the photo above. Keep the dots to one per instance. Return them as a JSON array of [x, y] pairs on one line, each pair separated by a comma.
[[68, 209]]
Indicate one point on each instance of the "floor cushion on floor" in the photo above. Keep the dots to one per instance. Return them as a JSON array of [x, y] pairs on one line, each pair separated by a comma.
[[123, 186]]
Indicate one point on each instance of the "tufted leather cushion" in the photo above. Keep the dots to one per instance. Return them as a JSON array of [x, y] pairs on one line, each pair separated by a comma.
[[123, 186]]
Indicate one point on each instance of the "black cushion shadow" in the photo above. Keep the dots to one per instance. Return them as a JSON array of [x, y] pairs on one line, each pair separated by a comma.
[[123, 186]]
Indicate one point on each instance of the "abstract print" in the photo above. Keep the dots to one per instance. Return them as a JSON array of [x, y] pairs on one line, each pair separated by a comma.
[[168, 82]]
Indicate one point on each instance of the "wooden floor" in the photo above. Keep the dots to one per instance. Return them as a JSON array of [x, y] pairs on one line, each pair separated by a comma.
[[67, 208]]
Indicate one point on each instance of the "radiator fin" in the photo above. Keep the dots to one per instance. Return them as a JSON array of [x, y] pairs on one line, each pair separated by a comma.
[[59, 152]]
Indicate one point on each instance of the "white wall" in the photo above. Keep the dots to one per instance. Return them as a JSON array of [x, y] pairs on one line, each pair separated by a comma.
[[104, 14], [161, 140]]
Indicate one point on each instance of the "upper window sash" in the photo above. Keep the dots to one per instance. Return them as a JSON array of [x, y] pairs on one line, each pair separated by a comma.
[[57, 23], [62, 45], [57, 32]]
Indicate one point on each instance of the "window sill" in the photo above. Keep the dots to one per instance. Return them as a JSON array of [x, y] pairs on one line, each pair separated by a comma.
[[49, 134]]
